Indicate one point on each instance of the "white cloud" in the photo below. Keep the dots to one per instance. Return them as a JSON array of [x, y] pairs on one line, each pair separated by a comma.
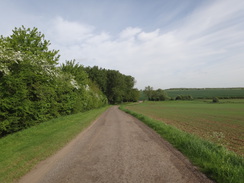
[[204, 50], [69, 33], [198, 54], [129, 32], [145, 36]]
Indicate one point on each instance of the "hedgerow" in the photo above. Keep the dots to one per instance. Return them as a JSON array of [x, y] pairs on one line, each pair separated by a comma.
[[33, 88]]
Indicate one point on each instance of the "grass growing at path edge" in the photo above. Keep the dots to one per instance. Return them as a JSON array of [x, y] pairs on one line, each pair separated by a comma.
[[215, 161], [21, 151]]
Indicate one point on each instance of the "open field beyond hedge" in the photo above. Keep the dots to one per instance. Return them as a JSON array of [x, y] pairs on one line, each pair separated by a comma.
[[221, 123], [209, 93]]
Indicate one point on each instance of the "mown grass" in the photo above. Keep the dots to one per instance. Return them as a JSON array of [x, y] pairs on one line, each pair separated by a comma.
[[21, 151], [215, 161]]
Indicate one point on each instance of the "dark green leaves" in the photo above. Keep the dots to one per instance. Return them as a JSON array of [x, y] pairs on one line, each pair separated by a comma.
[[33, 89], [116, 86]]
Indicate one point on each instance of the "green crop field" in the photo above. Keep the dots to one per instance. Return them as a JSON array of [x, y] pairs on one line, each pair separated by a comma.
[[221, 123], [207, 93]]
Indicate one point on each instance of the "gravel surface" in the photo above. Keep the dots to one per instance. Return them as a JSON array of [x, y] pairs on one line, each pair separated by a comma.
[[116, 148]]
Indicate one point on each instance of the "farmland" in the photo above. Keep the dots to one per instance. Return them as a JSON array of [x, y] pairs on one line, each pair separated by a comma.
[[222, 123], [207, 92]]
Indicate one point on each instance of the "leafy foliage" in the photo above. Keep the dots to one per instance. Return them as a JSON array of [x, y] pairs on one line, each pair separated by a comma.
[[184, 97], [32, 42], [215, 100], [33, 89], [89, 96], [116, 86], [155, 95]]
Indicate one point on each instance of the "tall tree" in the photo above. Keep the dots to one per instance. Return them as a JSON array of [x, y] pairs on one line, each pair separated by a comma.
[[149, 92], [33, 42], [99, 76], [116, 86]]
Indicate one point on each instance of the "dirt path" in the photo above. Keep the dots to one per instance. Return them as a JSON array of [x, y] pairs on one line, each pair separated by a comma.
[[116, 148]]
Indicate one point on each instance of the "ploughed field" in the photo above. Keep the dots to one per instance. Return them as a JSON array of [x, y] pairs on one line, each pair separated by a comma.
[[222, 123]]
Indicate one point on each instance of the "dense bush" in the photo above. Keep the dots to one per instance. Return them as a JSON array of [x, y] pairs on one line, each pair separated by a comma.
[[155, 95], [33, 89], [215, 100], [184, 97]]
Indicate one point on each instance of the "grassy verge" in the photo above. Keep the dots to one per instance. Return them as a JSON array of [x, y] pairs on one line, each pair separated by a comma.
[[21, 151], [215, 161]]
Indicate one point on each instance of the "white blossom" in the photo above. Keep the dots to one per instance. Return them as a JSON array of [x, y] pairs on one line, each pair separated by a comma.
[[87, 87], [4, 69], [74, 84], [17, 56]]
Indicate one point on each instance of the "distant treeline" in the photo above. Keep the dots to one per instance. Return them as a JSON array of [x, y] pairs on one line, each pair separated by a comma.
[[33, 88], [153, 95], [231, 88], [190, 93], [207, 93]]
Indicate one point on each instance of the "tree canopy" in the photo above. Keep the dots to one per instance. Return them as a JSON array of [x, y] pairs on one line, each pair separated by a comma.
[[116, 86], [155, 95], [33, 88]]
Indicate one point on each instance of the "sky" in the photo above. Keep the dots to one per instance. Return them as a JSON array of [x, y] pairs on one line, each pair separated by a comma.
[[161, 43]]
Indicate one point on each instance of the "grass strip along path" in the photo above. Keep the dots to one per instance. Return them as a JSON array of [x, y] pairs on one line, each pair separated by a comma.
[[21, 151], [215, 161]]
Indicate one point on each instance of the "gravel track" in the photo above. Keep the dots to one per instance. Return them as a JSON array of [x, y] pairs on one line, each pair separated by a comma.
[[116, 148]]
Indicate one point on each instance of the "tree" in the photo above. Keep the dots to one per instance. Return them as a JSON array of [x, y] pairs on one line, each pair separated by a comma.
[[32, 42], [134, 95], [33, 89], [88, 95], [76, 70], [149, 92], [215, 100], [184, 97], [27, 77], [161, 95], [154, 95], [99, 76], [116, 86]]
